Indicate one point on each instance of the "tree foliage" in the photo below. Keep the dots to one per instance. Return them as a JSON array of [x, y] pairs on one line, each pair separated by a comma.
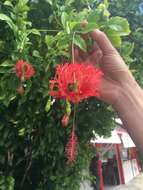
[[133, 11]]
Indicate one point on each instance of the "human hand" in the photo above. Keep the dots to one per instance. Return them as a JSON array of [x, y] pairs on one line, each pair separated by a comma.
[[118, 86], [116, 73]]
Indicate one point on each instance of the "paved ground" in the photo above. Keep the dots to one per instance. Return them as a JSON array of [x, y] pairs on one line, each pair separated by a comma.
[[110, 188], [135, 184]]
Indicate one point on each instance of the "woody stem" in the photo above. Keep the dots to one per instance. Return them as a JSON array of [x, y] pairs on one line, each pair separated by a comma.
[[73, 56], [74, 115]]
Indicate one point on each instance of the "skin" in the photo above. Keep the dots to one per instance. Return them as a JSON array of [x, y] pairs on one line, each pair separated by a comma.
[[118, 86]]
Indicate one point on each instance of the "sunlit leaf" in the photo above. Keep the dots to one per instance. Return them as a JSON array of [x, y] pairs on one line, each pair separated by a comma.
[[8, 3], [80, 42], [120, 25], [114, 37], [8, 20]]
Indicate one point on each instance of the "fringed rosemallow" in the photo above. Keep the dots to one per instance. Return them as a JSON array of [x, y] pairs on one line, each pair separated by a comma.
[[24, 70], [65, 120], [75, 82]]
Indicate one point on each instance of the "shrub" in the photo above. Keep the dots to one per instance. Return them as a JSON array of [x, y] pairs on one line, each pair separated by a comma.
[[32, 141]]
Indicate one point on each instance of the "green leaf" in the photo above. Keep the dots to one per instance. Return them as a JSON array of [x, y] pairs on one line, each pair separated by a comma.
[[21, 6], [114, 37], [65, 22], [8, 20], [2, 44], [90, 27], [127, 48], [64, 19], [120, 25], [50, 2], [94, 17], [80, 43], [7, 182], [21, 132], [36, 53], [106, 2], [67, 28], [8, 3], [73, 24], [53, 178], [69, 2], [6, 63], [34, 31], [103, 8], [49, 40]]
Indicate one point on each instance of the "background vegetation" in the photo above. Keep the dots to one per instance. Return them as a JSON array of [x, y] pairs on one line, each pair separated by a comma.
[[32, 141]]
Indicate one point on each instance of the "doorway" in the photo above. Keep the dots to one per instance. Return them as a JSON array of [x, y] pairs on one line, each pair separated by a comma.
[[110, 168]]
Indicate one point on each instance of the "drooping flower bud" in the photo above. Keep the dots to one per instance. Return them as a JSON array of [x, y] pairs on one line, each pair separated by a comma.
[[84, 23], [65, 120], [20, 90]]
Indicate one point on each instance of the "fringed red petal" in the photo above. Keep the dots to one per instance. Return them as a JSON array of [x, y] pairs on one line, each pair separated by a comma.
[[75, 82]]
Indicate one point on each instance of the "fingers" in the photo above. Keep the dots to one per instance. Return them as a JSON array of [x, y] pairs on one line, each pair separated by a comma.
[[95, 57], [80, 56], [103, 42], [77, 55]]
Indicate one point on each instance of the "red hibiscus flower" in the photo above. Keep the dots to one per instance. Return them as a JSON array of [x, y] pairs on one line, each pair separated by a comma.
[[24, 70], [75, 82]]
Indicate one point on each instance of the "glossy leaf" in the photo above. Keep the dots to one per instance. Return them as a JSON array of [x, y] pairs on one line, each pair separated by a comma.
[[8, 21], [8, 3], [49, 1], [120, 25], [114, 36], [127, 48], [79, 41]]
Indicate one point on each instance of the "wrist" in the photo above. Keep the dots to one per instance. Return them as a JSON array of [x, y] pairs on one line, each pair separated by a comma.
[[130, 96], [130, 108]]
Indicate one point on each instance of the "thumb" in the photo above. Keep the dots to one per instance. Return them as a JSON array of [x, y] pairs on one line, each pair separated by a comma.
[[109, 91]]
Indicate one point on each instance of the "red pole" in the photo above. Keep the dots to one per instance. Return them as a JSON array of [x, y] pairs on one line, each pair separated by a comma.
[[100, 174], [137, 158], [119, 163]]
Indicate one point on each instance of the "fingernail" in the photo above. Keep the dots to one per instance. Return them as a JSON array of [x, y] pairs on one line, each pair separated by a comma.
[[97, 30]]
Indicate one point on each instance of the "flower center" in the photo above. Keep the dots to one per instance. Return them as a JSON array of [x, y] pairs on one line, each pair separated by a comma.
[[56, 88], [24, 69], [72, 87]]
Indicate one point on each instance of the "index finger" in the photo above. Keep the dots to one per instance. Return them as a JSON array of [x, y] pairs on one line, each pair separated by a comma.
[[103, 42]]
